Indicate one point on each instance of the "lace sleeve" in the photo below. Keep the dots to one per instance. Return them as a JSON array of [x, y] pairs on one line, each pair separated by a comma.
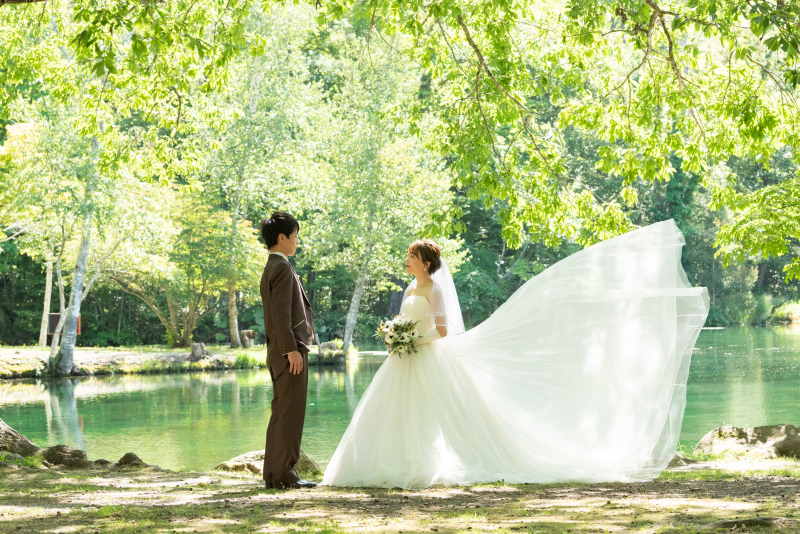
[[436, 306]]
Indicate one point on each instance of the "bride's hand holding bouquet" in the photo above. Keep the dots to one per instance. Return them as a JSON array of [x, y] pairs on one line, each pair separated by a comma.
[[400, 335]]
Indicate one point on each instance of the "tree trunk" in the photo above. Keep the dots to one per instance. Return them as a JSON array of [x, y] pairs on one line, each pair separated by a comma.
[[352, 313], [46, 313], [53, 359], [121, 304], [66, 361], [174, 329], [193, 314], [396, 298], [233, 315], [762, 277], [312, 277]]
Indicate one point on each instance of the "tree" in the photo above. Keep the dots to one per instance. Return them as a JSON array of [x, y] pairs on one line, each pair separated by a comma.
[[274, 119], [76, 203], [183, 284], [651, 79], [381, 185]]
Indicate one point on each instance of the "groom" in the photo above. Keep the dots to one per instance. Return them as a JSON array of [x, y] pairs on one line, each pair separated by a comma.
[[289, 330]]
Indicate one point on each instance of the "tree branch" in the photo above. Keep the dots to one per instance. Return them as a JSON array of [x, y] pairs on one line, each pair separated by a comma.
[[482, 64], [4, 2]]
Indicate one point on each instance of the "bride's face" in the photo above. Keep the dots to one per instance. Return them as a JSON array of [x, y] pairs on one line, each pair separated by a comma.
[[414, 265]]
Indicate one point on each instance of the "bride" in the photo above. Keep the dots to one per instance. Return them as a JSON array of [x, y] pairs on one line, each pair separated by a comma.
[[579, 376]]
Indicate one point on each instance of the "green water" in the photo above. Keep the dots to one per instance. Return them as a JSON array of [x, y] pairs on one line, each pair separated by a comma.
[[741, 376]]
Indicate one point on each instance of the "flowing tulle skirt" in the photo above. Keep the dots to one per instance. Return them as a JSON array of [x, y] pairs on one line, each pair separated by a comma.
[[580, 376]]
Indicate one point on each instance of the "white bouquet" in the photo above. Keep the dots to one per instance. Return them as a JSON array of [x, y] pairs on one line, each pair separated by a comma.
[[400, 334]]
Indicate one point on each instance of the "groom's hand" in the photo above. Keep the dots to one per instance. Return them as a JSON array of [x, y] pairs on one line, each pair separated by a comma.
[[295, 362]]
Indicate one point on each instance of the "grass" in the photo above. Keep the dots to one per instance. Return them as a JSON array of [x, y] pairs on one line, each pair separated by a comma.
[[161, 502], [722, 474], [250, 361], [28, 461]]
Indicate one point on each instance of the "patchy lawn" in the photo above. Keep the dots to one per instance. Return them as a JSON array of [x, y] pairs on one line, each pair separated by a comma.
[[684, 500]]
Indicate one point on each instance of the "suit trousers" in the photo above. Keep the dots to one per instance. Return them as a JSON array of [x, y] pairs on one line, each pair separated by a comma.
[[285, 429]]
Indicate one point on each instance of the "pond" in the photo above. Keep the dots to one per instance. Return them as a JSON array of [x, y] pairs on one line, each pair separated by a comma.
[[742, 376]]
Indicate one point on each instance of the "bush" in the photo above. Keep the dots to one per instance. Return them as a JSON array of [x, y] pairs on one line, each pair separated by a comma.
[[788, 313], [246, 361], [28, 461], [715, 317], [761, 311]]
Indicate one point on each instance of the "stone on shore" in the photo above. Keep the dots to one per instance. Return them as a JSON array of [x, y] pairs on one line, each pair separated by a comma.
[[132, 460], [199, 351], [67, 456], [771, 441], [253, 462], [14, 442]]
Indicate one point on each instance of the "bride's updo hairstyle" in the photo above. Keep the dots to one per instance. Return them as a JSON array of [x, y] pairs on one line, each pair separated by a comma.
[[427, 250]]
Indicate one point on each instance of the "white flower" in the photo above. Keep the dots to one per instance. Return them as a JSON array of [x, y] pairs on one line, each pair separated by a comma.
[[389, 338], [404, 338], [415, 334]]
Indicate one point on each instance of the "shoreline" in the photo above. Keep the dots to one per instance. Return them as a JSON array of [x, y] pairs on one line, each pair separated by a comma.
[[29, 362]]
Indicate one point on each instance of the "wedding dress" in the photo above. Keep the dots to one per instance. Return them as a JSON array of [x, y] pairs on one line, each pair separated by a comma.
[[579, 376]]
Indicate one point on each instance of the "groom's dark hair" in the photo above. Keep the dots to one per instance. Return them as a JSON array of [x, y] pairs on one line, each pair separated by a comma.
[[279, 223]]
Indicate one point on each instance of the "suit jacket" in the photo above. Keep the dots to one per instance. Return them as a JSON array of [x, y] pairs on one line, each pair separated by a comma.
[[288, 321]]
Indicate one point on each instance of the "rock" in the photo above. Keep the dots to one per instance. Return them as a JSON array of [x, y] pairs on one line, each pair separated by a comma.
[[680, 460], [8, 465], [102, 463], [247, 337], [132, 460], [768, 441], [12, 457], [199, 351], [66, 455], [253, 462], [13, 441]]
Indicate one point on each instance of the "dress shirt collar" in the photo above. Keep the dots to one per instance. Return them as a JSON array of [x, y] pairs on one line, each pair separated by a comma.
[[281, 254]]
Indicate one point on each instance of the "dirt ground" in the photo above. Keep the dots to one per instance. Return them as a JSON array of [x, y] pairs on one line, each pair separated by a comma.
[[707, 497]]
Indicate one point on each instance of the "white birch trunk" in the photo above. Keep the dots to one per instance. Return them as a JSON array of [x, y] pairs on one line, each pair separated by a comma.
[[66, 361], [233, 315], [48, 288], [53, 359], [352, 313]]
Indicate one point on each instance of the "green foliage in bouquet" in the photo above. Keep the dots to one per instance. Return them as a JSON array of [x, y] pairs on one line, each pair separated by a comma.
[[400, 335]]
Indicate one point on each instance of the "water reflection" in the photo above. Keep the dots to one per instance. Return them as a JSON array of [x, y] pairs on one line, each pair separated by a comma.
[[62, 413], [194, 421], [742, 376]]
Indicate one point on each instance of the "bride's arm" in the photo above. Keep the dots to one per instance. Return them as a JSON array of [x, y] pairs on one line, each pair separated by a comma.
[[437, 333], [437, 312]]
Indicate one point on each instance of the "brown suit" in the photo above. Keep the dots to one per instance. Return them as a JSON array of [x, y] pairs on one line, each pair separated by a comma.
[[288, 323]]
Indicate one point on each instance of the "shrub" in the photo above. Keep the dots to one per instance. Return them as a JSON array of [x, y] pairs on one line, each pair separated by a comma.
[[28, 461], [247, 361]]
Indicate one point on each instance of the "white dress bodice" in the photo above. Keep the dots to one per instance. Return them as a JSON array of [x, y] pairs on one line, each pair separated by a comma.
[[415, 307]]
